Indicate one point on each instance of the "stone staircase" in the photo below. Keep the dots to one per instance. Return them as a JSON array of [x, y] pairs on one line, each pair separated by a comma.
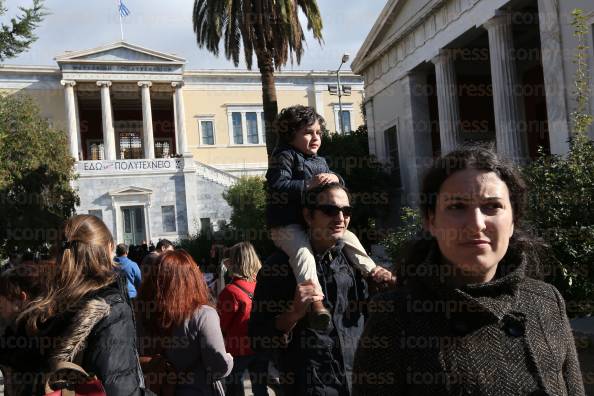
[[215, 175]]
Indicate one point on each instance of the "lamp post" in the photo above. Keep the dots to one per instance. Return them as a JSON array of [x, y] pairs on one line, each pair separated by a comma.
[[345, 58]]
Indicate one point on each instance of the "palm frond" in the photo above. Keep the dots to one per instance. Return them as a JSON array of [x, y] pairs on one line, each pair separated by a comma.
[[264, 27]]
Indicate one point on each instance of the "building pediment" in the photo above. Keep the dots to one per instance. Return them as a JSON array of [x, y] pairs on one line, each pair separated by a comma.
[[398, 20], [131, 191], [120, 61], [376, 34], [120, 52]]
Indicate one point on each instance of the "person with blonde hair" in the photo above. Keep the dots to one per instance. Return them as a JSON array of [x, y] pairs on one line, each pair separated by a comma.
[[234, 306], [84, 315]]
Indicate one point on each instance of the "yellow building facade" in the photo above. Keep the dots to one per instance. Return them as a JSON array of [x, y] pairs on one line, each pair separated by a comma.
[[155, 144]]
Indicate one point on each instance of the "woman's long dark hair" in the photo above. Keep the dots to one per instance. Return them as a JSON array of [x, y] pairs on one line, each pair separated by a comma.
[[522, 245], [83, 266]]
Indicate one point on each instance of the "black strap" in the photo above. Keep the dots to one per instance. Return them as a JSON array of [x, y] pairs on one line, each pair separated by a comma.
[[250, 295]]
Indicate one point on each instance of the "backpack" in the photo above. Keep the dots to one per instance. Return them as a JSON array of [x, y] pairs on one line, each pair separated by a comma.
[[69, 379], [160, 375]]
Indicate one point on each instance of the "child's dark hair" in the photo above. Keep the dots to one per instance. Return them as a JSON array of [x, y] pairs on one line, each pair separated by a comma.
[[292, 119]]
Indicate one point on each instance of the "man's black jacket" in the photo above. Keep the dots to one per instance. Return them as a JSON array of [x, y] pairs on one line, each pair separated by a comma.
[[310, 362]]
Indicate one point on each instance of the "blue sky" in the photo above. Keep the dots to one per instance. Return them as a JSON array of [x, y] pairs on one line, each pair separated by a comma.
[[166, 25]]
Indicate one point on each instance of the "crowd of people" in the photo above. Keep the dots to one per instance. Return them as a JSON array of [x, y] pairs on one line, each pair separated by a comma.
[[466, 314]]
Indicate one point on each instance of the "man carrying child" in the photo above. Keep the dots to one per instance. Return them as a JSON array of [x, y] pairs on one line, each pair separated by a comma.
[[294, 169]]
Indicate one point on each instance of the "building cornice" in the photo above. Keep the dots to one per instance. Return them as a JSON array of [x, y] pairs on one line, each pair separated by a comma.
[[204, 79], [251, 73], [367, 55], [26, 69]]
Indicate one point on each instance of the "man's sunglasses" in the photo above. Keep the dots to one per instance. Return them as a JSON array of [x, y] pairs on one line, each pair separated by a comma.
[[333, 210]]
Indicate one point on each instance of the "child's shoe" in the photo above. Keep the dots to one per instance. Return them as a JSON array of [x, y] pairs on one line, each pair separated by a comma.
[[319, 317]]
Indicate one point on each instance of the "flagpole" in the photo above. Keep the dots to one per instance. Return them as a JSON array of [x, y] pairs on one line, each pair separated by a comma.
[[121, 22]]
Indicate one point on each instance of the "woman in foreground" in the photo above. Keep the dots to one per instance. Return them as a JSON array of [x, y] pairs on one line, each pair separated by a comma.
[[469, 319]]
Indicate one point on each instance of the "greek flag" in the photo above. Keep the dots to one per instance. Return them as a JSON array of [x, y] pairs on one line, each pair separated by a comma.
[[124, 11]]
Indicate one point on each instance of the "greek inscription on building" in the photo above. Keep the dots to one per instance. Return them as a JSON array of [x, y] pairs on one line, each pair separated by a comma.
[[124, 68], [132, 165]]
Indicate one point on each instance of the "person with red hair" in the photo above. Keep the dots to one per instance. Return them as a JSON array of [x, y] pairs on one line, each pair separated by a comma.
[[176, 319]]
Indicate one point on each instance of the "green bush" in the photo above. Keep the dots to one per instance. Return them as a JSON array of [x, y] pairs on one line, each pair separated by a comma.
[[247, 197], [396, 242], [365, 177], [561, 210]]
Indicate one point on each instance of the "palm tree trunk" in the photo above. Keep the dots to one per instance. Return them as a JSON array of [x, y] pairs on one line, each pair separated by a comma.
[[269, 102], [266, 66]]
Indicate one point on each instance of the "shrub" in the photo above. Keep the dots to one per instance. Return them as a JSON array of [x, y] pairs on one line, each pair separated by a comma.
[[561, 205], [365, 177], [396, 242], [247, 197]]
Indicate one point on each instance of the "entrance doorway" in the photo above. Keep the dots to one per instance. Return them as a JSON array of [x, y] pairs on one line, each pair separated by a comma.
[[134, 230]]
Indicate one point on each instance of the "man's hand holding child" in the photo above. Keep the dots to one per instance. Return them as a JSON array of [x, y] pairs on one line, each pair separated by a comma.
[[322, 178]]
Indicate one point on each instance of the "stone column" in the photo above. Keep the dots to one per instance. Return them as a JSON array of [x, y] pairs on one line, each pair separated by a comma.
[[147, 120], [81, 151], [447, 101], [175, 127], [108, 132], [73, 132], [371, 128], [510, 128], [180, 121], [554, 75], [415, 151]]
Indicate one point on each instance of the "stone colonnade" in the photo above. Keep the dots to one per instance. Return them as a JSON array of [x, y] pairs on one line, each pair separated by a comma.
[[107, 119], [508, 106]]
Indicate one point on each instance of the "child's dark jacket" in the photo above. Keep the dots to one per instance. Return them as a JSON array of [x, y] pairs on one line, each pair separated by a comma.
[[288, 171]]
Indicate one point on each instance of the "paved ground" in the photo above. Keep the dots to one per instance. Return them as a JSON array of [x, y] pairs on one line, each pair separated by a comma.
[[248, 387]]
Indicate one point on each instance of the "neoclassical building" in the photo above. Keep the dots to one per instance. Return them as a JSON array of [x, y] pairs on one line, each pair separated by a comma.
[[155, 144], [441, 72]]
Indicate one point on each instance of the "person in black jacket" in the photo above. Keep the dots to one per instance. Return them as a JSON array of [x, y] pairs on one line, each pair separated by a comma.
[[84, 316], [312, 361]]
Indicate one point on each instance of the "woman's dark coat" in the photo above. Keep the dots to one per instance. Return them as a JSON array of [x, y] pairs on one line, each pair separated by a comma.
[[101, 332], [510, 336]]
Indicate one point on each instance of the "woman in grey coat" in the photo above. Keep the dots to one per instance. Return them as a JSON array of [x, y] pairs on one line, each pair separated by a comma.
[[177, 321], [469, 318]]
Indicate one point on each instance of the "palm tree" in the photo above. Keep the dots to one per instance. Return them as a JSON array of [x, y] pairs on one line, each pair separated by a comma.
[[268, 28]]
